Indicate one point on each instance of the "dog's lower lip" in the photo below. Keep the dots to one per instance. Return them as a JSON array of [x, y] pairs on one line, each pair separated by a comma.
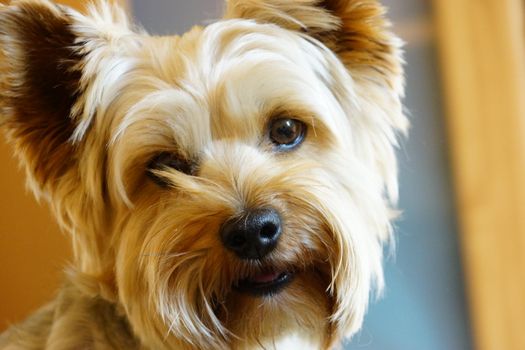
[[265, 284]]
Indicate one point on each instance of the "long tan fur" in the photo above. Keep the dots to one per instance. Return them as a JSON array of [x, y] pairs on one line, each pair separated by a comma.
[[87, 101]]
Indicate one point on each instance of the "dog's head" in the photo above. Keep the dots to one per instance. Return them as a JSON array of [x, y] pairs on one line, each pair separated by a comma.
[[229, 186]]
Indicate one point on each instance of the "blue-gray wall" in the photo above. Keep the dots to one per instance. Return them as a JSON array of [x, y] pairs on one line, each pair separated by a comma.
[[424, 305]]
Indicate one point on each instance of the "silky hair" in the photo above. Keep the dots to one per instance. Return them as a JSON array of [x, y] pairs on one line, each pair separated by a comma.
[[149, 257]]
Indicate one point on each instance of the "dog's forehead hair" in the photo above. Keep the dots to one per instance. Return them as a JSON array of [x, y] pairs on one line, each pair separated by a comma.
[[228, 79]]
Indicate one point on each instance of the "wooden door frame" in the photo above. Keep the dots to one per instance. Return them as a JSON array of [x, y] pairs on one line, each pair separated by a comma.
[[81, 4], [483, 63]]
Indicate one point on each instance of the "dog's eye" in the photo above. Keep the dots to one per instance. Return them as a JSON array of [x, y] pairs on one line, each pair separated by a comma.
[[287, 133], [169, 160]]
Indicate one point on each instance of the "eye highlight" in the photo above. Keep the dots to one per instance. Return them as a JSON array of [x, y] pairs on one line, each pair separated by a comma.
[[169, 160], [287, 133]]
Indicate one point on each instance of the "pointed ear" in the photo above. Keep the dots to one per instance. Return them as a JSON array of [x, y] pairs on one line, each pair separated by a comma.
[[41, 61], [39, 84], [355, 30]]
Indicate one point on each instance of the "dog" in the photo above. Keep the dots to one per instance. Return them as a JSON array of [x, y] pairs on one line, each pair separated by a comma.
[[231, 188]]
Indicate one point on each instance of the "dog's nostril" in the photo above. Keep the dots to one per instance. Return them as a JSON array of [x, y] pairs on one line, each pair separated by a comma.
[[269, 231], [254, 234]]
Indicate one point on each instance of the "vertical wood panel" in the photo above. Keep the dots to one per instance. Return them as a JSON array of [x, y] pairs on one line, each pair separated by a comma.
[[483, 58], [32, 250], [81, 4]]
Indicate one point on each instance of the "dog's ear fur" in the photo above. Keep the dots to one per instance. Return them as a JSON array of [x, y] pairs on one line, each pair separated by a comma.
[[54, 65], [39, 84], [355, 30], [44, 48]]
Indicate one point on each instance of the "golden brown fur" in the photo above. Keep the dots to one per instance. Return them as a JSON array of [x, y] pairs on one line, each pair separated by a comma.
[[88, 101]]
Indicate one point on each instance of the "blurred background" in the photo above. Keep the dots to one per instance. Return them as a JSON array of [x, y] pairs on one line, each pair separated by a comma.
[[457, 279]]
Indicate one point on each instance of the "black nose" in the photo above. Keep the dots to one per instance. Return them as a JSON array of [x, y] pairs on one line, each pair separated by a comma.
[[254, 234]]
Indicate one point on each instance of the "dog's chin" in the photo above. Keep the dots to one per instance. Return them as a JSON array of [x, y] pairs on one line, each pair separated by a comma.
[[268, 305]]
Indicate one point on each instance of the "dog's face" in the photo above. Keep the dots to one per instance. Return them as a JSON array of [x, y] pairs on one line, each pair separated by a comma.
[[229, 186]]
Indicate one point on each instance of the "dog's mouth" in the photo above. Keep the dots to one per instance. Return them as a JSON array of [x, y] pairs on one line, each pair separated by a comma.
[[265, 283]]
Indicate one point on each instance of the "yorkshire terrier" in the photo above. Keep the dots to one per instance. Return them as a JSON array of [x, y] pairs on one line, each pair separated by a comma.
[[230, 188]]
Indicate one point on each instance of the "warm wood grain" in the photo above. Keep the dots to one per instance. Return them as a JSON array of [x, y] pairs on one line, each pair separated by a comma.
[[483, 57], [32, 250], [81, 4]]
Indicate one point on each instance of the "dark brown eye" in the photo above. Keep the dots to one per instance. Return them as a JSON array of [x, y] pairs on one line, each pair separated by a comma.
[[169, 160], [287, 133]]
